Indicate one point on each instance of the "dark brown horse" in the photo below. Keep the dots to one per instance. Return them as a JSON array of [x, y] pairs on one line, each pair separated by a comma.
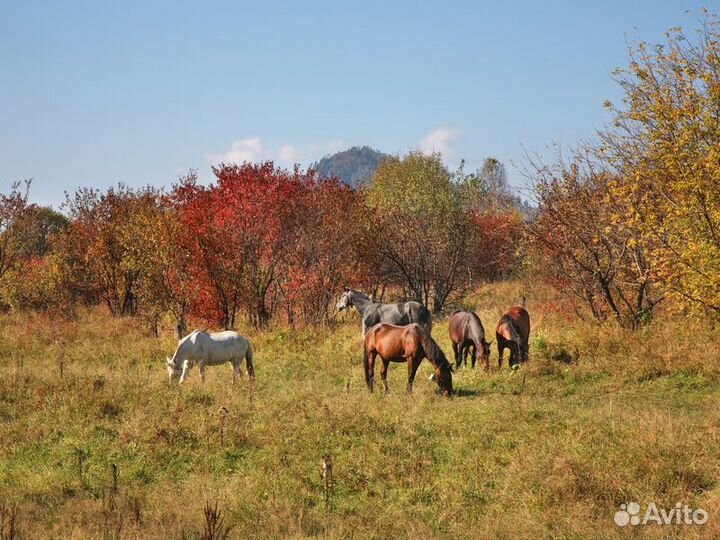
[[513, 332], [468, 336], [408, 344]]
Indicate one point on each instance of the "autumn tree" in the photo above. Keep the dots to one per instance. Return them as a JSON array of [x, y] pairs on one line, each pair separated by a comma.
[[151, 240], [494, 179], [665, 147], [418, 227], [494, 225], [494, 244], [322, 252], [254, 204], [28, 278], [581, 248], [12, 210], [36, 227], [93, 249]]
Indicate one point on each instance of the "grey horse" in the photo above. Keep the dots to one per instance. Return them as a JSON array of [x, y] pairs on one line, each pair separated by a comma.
[[400, 314]]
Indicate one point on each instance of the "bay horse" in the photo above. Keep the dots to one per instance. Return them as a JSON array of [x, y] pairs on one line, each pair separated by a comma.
[[468, 337], [210, 349], [408, 344], [513, 332], [371, 313]]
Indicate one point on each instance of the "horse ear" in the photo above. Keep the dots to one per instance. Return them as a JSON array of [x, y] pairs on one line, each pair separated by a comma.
[[347, 289]]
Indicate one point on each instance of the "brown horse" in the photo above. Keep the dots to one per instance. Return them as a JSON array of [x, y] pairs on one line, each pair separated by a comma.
[[468, 335], [513, 332], [409, 344]]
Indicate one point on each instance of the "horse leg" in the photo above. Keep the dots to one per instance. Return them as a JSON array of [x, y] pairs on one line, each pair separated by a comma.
[[371, 370], [501, 350], [201, 368], [236, 369], [457, 349], [383, 375], [185, 371], [412, 364], [466, 352], [474, 355], [247, 366]]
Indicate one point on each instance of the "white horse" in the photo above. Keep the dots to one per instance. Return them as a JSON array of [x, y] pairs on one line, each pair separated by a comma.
[[210, 349]]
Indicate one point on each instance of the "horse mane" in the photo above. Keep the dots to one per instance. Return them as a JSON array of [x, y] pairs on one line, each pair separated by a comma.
[[356, 296], [433, 352], [185, 339], [360, 293], [477, 318]]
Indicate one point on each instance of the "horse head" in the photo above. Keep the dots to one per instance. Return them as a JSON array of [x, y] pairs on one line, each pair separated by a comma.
[[345, 300], [172, 369], [443, 377], [485, 351]]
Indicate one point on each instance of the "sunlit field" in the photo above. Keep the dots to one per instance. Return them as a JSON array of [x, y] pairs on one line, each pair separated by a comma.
[[597, 418]]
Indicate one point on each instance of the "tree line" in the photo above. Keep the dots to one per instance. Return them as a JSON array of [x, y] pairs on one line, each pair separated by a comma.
[[259, 242]]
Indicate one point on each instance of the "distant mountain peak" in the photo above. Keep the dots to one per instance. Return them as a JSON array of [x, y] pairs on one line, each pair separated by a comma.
[[352, 166]]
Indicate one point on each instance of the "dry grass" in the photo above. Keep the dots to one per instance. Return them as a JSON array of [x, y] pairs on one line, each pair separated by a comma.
[[631, 417]]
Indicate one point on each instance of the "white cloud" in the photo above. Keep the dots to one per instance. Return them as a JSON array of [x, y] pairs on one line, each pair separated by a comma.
[[288, 154], [253, 149], [250, 149], [440, 140]]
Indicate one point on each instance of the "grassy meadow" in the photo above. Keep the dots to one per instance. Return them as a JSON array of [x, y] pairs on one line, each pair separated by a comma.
[[598, 417]]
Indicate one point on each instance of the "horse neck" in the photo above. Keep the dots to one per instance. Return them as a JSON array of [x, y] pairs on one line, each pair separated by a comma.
[[183, 351], [360, 302]]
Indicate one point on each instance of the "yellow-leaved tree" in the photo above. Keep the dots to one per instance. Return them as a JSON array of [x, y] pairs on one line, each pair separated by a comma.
[[665, 147]]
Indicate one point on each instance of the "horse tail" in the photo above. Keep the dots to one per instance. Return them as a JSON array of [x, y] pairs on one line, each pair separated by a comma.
[[249, 361], [427, 323], [366, 367], [514, 334]]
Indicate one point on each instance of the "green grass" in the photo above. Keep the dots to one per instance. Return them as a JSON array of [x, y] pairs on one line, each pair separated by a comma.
[[632, 417]]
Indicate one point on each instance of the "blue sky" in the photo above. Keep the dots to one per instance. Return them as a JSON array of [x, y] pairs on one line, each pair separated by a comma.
[[92, 93]]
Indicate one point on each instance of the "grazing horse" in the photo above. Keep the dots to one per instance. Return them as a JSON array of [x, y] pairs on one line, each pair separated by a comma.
[[512, 332], [210, 349], [400, 314], [468, 335], [409, 344]]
